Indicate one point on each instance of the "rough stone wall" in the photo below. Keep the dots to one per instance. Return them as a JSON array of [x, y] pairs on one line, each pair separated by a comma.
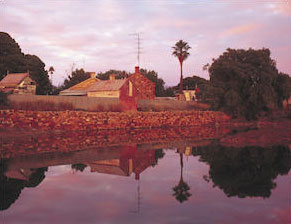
[[89, 121], [145, 88]]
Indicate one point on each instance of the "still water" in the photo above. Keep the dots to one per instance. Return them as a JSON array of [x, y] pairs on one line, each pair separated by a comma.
[[145, 178]]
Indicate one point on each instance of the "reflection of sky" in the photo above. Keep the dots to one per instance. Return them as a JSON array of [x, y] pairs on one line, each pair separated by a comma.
[[95, 34], [66, 196]]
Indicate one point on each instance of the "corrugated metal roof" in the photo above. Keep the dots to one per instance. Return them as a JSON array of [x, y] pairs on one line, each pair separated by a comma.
[[107, 85], [80, 88], [14, 79]]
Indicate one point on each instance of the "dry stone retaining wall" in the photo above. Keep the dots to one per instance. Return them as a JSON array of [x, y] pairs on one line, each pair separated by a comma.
[[80, 120]]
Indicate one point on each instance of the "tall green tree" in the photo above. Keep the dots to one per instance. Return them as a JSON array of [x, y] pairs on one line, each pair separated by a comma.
[[246, 83], [77, 76], [12, 60], [180, 50]]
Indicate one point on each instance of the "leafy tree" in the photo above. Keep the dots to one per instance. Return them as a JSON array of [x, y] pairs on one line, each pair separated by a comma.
[[77, 76], [12, 60], [37, 72], [159, 83], [181, 52], [246, 83], [119, 74], [79, 167], [245, 172], [191, 82], [10, 189]]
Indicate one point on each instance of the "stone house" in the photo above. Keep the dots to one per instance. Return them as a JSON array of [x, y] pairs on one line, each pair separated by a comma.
[[137, 84], [145, 87], [18, 83]]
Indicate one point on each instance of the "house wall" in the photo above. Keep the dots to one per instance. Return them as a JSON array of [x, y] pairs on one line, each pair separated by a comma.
[[145, 87], [128, 102], [27, 86], [110, 94]]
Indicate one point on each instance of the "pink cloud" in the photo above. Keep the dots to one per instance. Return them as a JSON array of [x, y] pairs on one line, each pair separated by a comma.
[[239, 30]]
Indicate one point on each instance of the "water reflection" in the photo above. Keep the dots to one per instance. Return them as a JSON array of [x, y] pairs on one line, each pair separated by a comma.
[[14, 181], [248, 171], [170, 171], [181, 191]]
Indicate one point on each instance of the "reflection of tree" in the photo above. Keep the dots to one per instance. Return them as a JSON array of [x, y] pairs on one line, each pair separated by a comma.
[[181, 190], [247, 171], [79, 167], [159, 154], [10, 189]]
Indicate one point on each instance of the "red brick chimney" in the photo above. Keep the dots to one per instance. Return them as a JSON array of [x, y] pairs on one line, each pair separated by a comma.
[[136, 69], [112, 76]]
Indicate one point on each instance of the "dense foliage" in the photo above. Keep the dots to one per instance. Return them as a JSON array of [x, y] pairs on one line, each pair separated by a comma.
[[190, 83], [245, 172], [77, 76], [247, 83], [12, 60]]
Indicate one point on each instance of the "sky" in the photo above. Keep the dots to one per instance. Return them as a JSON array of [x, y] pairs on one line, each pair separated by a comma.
[[98, 35]]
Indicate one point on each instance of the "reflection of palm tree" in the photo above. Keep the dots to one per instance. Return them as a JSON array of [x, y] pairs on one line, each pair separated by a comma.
[[181, 190]]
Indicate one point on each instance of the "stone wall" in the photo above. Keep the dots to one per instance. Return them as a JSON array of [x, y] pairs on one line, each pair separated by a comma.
[[79, 120]]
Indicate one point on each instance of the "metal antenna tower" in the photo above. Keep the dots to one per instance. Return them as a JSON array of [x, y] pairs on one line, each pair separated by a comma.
[[137, 35]]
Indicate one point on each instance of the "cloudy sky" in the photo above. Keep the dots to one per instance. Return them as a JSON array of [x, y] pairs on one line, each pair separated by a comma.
[[96, 35]]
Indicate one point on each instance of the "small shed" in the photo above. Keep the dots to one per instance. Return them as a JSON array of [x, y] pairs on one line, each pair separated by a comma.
[[18, 83]]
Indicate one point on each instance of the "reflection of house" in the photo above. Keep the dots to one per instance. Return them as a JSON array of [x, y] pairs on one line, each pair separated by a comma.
[[131, 161], [81, 89], [18, 83], [135, 86]]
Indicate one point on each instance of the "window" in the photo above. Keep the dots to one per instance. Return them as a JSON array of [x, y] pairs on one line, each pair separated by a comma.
[[130, 89]]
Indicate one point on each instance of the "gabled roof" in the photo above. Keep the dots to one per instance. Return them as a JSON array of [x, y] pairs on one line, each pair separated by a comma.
[[80, 88], [107, 85], [12, 80], [136, 74]]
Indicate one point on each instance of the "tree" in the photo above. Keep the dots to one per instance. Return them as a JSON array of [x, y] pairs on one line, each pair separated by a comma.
[[246, 83], [12, 60], [191, 82], [245, 171], [159, 83], [77, 76], [181, 191], [181, 49]]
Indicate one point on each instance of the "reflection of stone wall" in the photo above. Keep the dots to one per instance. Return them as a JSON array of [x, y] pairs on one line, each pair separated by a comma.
[[19, 143], [76, 120]]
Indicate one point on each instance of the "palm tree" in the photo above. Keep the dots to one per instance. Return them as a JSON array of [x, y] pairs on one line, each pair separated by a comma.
[[181, 52], [181, 191]]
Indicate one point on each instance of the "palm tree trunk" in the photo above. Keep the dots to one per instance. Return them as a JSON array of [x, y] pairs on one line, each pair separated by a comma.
[[181, 78], [181, 165]]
